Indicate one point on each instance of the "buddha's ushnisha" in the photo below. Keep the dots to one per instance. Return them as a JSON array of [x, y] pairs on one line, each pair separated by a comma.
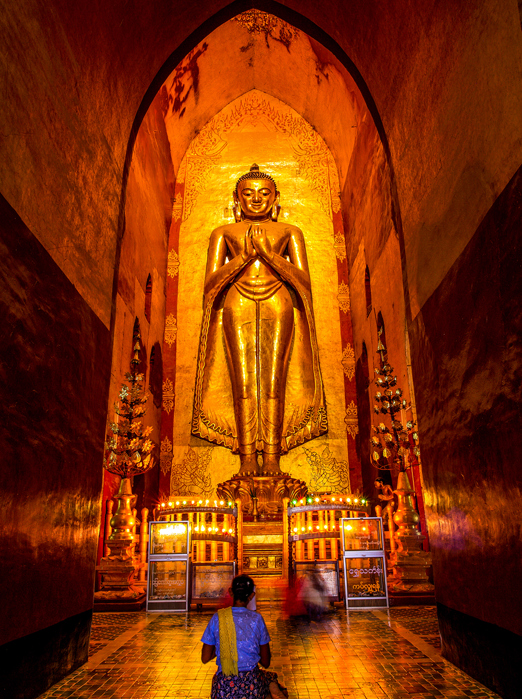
[[258, 385]]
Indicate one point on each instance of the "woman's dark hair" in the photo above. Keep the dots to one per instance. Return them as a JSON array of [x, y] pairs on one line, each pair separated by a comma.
[[242, 588]]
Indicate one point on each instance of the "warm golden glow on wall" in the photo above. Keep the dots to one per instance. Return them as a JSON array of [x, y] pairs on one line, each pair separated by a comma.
[[259, 128]]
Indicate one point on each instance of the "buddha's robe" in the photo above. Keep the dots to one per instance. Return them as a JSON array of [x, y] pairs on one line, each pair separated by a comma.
[[258, 383]]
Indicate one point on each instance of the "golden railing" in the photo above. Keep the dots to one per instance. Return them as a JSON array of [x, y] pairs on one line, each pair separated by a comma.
[[313, 527]]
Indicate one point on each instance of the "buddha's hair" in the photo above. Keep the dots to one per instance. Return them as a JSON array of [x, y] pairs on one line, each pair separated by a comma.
[[242, 587], [255, 174]]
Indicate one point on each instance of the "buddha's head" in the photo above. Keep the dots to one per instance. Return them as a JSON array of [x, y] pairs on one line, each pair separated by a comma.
[[256, 197]]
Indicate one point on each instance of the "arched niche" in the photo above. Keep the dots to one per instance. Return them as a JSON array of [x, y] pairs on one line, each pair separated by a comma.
[[255, 54], [258, 128]]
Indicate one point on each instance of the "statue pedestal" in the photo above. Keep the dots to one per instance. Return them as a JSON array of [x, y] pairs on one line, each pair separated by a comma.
[[117, 569], [409, 563], [409, 572], [262, 496]]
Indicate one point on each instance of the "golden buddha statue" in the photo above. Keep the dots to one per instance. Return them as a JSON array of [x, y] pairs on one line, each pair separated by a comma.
[[258, 386]]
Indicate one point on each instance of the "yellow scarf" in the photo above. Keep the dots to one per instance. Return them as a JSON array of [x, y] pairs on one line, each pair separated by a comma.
[[227, 642]]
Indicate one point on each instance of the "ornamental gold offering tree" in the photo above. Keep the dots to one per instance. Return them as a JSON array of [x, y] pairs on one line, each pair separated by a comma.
[[128, 454], [129, 447], [391, 452], [391, 447]]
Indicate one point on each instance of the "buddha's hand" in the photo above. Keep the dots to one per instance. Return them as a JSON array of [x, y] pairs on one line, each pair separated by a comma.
[[248, 252], [262, 243]]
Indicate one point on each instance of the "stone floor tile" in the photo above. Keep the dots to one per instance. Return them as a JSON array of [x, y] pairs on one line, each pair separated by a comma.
[[391, 654]]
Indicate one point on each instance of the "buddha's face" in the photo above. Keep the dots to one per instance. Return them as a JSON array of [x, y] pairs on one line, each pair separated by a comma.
[[256, 198]]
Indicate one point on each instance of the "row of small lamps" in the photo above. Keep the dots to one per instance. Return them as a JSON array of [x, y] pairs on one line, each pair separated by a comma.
[[303, 501], [326, 528], [325, 501], [200, 503]]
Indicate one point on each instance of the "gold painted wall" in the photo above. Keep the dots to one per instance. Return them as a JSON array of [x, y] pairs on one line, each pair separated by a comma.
[[258, 128]]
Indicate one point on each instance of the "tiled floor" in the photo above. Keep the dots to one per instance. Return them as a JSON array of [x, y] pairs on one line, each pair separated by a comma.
[[363, 655]]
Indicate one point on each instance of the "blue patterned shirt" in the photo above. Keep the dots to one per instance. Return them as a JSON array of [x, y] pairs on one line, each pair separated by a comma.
[[251, 632]]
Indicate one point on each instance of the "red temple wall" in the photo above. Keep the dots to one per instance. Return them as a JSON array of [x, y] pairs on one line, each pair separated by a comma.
[[442, 86]]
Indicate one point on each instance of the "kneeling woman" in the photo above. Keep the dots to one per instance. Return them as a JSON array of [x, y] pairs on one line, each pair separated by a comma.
[[239, 639]]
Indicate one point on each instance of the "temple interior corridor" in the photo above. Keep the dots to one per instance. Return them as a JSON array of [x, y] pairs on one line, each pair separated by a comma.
[[367, 349], [364, 655]]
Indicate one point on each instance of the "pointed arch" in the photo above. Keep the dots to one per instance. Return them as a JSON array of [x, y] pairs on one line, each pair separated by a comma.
[[136, 331], [364, 366], [368, 290], [319, 37], [148, 297]]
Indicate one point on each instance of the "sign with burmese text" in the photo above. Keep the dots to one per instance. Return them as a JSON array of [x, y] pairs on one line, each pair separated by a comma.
[[167, 580], [365, 577]]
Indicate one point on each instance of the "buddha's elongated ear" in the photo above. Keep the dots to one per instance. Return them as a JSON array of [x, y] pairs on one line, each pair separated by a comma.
[[236, 209], [276, 209]]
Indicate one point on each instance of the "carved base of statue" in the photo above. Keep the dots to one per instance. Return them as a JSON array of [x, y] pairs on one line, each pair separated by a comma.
[[262, 495]]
